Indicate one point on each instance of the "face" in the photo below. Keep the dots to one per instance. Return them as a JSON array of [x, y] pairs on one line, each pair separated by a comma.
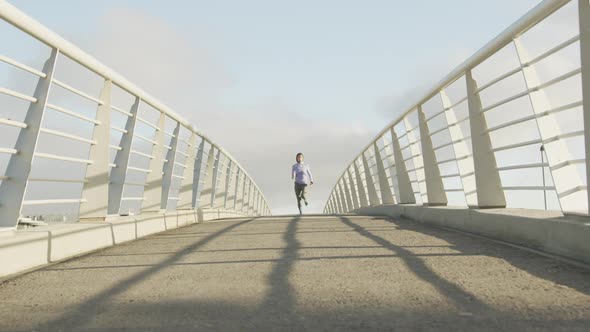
[[300, 158]]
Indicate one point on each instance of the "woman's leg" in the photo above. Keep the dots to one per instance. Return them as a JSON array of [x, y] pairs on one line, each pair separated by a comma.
[[298, 192], [304, 193]]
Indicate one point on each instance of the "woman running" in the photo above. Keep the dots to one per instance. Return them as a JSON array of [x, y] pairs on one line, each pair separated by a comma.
[[302, 175]]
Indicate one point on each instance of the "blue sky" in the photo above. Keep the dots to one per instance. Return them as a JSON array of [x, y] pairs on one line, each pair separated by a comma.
[[268, 79]]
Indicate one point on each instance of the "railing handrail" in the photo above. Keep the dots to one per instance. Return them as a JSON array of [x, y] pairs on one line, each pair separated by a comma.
[[29, 25], [528, 20]]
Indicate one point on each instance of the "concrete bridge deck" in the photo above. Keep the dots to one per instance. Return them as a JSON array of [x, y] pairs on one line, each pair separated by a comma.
[[302, 273]]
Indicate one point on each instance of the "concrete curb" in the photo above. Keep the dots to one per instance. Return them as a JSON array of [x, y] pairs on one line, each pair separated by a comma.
[[546, 231], [25, 250]]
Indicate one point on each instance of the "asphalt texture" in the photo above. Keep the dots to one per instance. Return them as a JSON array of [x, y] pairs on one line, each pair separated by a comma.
[[292, 273]]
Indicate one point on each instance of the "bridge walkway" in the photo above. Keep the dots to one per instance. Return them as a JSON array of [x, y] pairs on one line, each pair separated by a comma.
[[302, 273]]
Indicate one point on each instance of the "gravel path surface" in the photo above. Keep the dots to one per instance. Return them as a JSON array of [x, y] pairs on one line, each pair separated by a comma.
[[319, 273]]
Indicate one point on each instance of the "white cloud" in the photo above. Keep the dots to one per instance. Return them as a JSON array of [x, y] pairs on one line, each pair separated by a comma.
[[417, 80], [162, 60]]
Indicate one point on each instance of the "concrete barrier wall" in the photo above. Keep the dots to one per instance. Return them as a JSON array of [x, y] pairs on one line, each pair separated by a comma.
[[31, 248], [547, 231]]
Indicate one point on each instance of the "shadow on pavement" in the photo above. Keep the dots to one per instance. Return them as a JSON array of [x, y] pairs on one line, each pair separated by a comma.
[[550, 269], [87, 310]]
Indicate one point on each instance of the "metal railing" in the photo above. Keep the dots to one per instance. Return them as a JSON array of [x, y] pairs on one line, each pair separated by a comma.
[[131, 153], [507, 128]]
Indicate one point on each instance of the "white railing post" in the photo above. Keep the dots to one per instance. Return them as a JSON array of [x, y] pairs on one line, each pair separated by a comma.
[[347, 194], [221, 176], [229, 186], [169, 168], [417, 158], [566, 179], [254, 201], [12, 189], [215, 180], [342, 203], [390, 158], [96, 187], [373, 198], [355, 199], [245, 206], [463, 157], [343, 207], [258, 200], [338, 199], [227, 183], [236, 189], [386, 196], [240, 191], [205, 199], [584, 19], [335, 201], [434, 185], [154, 180], [487, 178], [223, 182], [360, 185], [244, 193], [197, 176], [255, 207], [250, 197], [118, 174], [331, 208], [345, 198], [406, 192], [332, 205], [249, 201], [187, 190]]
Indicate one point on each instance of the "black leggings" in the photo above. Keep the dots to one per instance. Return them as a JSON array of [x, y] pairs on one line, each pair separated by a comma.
[[300, 192]]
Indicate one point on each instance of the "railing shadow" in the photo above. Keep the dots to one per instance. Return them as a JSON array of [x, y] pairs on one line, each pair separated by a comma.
[[463, 300], [269, 233], [86, 311], [523, 260]]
